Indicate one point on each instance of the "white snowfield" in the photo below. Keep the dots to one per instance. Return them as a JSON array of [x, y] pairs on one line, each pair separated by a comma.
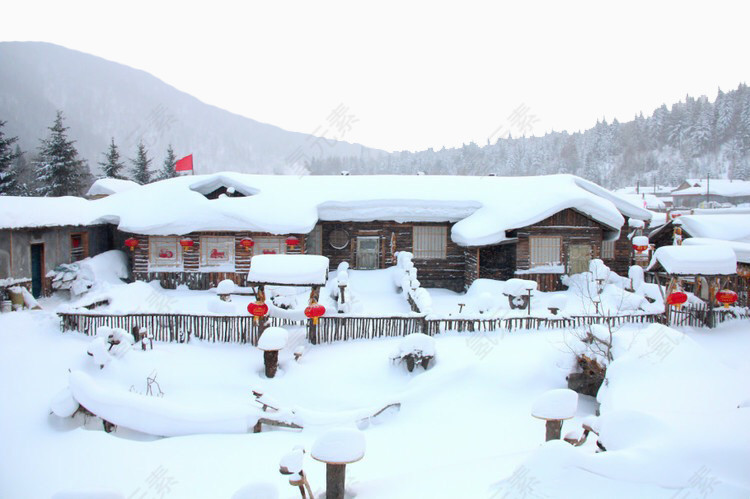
[[689, 260], [483, 207], [288, 269]]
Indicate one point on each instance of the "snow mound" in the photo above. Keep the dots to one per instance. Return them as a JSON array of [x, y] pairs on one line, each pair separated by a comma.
[[273, 338], [110, 267], [156, 415], [556, 404], [519, 287], [64, 405], [418, 343], [344, 445], [226, 287]]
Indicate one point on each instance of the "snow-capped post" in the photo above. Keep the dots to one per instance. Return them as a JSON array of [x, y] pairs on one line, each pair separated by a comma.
[[337, 448], [554, 407], [291, 465], [225, 288], [271, 341]]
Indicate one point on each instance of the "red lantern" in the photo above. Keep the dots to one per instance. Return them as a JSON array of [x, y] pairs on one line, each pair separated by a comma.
[[292, 241], [640, 248], [131, 243], [314, 311], [257, 309], [187, 243], [247, 243], [676, 299], [726, 297]]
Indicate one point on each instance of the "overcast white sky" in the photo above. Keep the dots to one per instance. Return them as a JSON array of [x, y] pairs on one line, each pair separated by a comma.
[[415, 75]]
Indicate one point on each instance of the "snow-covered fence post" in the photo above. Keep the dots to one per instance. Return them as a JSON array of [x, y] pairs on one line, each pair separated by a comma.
[[554, 407], [271, 341], [337, 448], [291, 464]]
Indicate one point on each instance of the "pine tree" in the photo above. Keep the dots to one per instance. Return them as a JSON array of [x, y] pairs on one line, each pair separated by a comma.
[[141, 163], [59, 170], [7, 158], [168, 169], [26, 181], [112, 165]]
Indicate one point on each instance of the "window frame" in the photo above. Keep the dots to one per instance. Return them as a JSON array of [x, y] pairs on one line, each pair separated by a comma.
[[227, 243], [609, 252], [156, 264], [549, 248], [429, 242]]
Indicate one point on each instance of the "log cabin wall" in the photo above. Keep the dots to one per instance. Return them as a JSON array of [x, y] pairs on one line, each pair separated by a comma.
[[497, 262], [445, 272], [573, 228], [191, 273]]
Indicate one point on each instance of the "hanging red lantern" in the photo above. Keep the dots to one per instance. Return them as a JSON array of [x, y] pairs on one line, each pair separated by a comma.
[[640, 248], [131, 243], [676, 299], [247, 243], [292, 241], [187, 243], [726, 297], [257, 309], [314, 311]]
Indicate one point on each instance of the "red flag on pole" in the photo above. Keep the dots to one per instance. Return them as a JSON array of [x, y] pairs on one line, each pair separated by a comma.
[[185, 164]]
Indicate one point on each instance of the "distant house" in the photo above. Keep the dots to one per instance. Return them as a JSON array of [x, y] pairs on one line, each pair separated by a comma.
[[38, 234], [696, 193], [200, 230]]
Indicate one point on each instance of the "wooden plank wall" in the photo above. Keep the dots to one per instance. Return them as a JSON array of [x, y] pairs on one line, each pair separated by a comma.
[[394, 237]]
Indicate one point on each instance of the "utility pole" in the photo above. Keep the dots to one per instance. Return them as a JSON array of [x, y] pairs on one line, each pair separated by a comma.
[[708, 190]]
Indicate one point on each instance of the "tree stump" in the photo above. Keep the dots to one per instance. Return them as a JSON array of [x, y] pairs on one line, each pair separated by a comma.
[[335, 480], [271, 362], [554, 429]]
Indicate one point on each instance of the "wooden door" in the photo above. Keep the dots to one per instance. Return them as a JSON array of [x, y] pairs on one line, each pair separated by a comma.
[[368, 252], [37, 269], [579, 256]]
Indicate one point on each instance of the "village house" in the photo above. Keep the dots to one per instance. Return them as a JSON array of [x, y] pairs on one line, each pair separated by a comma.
[[199, 230], [698, 193]]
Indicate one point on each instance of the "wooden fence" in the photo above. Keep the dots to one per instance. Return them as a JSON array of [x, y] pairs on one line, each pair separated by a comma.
[[175, 327], [703, 316], [242, 329]]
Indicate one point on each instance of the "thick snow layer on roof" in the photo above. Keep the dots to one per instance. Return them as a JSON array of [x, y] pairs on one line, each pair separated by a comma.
[[647, 201], [19, 212], [719, 187], [741, 250], [484, 207], [107, 186], [690, 260], [731, 227], [288, 269]]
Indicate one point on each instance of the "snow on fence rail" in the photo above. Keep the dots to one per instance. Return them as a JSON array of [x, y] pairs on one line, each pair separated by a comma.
[[242, 329]]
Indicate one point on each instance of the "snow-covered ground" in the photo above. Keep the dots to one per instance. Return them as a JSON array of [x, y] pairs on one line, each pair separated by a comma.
[[670, 416]]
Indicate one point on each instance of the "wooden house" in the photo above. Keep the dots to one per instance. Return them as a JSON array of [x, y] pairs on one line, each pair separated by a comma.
[[200, 230]]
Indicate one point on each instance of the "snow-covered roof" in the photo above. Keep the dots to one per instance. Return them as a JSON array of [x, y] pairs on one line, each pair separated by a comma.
[[483, 207], [29, 212], [288, 269], [719, 187], [647, 201], [741, 250], [730, 227], [107, 186], [695, 260]]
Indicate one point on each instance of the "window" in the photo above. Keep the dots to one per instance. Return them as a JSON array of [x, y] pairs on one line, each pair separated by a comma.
[[608, 250], [544, 250], [79, 246], [430, 241], [269, 246], [339, 239], [217, 253], [314, 242], [164, 252]]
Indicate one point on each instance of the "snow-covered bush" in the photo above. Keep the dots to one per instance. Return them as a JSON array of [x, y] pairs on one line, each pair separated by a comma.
[[415, 348]]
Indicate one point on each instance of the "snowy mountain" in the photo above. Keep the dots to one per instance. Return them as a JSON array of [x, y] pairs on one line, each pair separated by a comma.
[[103, 99]]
